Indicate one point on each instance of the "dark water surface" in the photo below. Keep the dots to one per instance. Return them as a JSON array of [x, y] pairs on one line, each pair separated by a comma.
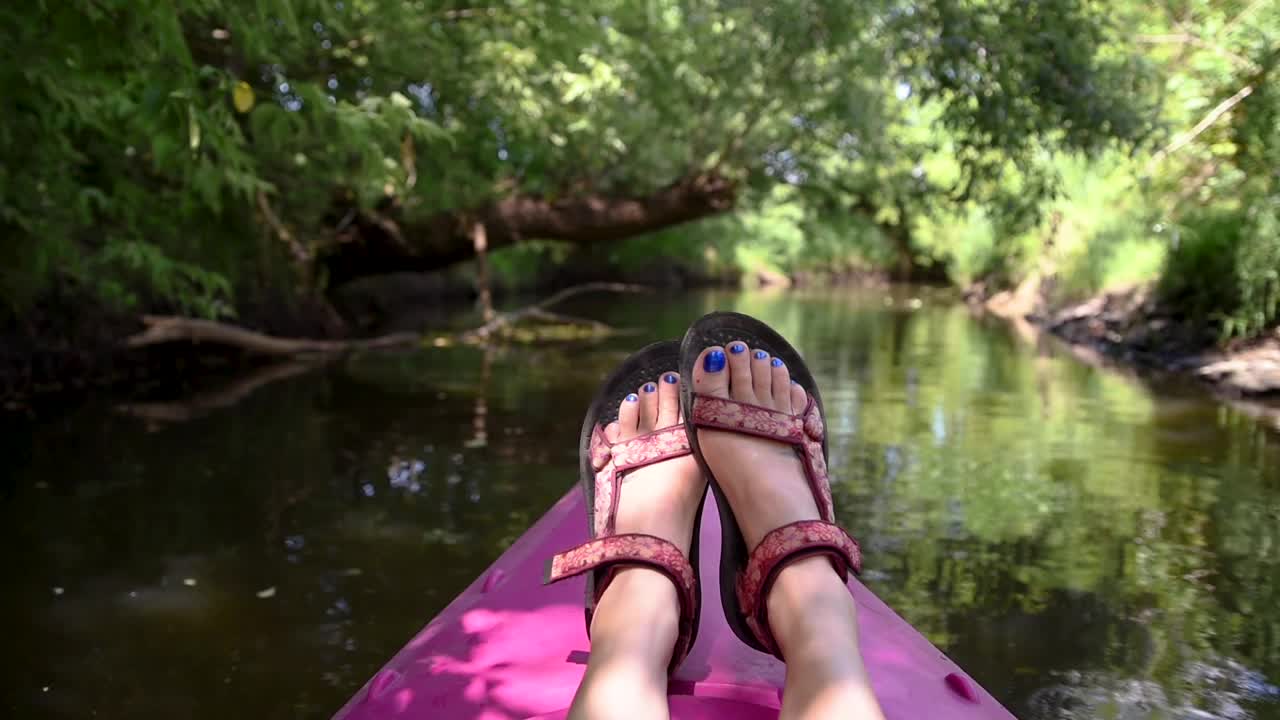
[[1084, 545]]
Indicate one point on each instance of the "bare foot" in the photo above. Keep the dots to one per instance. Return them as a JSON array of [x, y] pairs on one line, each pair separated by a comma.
[[660, 499], [763, 480], [634, 627], [811, 613]]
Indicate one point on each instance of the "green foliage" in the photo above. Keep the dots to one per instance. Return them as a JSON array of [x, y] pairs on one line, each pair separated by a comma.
[[1192, 210], [1200, 270], [968, 241], [1258, 272], [157, 154], [780, 234], [1225, 268]]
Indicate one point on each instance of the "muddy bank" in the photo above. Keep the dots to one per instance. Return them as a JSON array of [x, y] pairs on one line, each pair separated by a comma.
[[1130, 327]]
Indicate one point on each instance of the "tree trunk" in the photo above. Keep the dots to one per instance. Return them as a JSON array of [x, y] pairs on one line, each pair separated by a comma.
[[376, 244], [907, 267], [481, 244]]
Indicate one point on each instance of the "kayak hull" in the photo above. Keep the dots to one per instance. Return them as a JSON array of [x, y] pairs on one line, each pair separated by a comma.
[[510, 648]]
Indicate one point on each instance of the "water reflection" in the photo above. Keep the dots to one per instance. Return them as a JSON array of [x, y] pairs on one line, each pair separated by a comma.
[[1085, 546]]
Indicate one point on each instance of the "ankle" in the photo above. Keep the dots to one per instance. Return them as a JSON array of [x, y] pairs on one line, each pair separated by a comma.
[[633, 633], [811, 613], [637, 618]]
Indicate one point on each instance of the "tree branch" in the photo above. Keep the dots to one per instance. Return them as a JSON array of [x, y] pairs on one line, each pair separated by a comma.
[[377, 244], [1205, 123], [161, 329], [299, 252], [539, 310], [1189, 39]]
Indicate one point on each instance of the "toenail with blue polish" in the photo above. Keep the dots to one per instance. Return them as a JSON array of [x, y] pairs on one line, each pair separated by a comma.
[[777, 362], [760, 354], [714, 361], [737, 348], [671, 378], [649, 387], [633, 397]]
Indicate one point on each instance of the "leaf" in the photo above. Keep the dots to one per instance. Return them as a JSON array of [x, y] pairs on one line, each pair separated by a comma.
[[242, 97], [400, 101], [193, 128]]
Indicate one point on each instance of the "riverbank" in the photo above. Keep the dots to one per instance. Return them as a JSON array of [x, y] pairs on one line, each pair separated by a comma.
[[1131, 327], [70, 348], [64, 357]]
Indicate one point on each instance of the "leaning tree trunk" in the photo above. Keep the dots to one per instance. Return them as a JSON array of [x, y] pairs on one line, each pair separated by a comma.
[[377, 244]]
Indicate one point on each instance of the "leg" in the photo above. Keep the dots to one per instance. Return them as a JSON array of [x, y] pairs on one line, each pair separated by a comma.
[[634, 628], [811, 613], [814, 620], [632, 634]]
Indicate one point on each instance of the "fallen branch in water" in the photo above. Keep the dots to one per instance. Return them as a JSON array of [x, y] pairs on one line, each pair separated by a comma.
[[161, 329], [538, 311]]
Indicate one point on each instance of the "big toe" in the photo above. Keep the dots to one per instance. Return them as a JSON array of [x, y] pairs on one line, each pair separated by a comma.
[[710, 373]]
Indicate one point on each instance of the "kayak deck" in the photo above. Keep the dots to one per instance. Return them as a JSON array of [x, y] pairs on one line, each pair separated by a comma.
[[510, 648]]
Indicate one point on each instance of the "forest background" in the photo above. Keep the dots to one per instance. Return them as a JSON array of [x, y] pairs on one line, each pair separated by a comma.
[[274, 164]]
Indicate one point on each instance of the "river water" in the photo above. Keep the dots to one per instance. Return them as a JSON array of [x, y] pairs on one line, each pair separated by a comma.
[[1085, 545]]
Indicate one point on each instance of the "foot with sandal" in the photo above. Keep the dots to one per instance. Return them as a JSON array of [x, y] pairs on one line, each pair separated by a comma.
[[734, 408]]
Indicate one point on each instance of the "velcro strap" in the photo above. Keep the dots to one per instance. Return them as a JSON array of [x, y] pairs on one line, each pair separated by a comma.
[[612, 461], [606, 553], [781, 547], [635, 548], [650, 448], [647, 449]]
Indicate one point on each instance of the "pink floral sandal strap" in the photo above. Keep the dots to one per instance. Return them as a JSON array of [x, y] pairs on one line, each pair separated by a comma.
[[805, 431], [607, 554], [781, 547], [647, 449], [613, 461]]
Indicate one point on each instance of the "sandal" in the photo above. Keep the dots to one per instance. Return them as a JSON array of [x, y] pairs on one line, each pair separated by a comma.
[[745, 579], [601, 470]]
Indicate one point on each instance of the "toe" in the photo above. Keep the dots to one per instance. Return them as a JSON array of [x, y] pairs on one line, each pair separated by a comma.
[[798, 398], [648, 406], [668, 399], [761, 377], [740, 386], [611, 432], [629, 417], [781, 385], [709, 374]]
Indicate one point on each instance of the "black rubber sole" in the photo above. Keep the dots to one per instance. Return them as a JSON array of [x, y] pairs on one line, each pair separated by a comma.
[[645, 365], [722, 328]]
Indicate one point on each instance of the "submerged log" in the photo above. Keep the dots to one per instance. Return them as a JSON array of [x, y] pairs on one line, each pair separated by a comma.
[[161, 329]]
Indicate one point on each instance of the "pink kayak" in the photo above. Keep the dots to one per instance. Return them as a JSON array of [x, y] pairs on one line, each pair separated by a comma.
[[511, 648]]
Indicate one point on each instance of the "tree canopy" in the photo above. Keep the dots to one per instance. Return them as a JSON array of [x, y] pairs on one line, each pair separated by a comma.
[[186, 154]]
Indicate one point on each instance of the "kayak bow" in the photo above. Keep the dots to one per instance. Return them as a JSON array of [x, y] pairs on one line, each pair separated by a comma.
[[510, 648]]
